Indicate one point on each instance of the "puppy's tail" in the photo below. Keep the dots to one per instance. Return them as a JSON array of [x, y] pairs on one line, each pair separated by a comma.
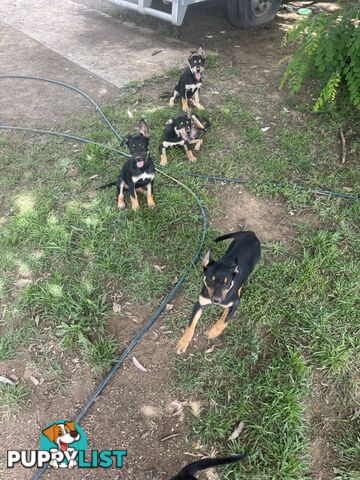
[[235, 235], [164, 95], [195, 467], [108, 185]]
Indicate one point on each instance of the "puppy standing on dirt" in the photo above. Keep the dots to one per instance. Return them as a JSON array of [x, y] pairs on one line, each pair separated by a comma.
[[183, 131], [190, 81], [223, 281], [188, 472], [137, 172]]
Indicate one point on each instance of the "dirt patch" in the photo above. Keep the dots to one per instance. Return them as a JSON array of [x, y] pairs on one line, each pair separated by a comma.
[[238, 209], [135, 412]]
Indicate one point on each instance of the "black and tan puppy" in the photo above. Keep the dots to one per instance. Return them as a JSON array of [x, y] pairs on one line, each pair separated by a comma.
[[189, 472], [137, 172], [223, 281], [190, 81], [183, 131]]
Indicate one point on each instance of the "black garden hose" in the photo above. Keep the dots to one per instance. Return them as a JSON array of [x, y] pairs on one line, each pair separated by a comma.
[[91, 400], [273, 183], [70, 87], [145, 328]]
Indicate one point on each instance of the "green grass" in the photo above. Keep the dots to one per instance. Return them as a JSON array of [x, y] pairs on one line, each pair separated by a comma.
[[13, 397], [298, 314]]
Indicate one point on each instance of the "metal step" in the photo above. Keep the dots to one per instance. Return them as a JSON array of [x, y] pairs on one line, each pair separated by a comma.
[[176, 17]]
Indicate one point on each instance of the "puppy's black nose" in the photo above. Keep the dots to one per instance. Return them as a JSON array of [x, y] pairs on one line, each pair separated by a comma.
[[74, 434], [216, 300], [198, 69]]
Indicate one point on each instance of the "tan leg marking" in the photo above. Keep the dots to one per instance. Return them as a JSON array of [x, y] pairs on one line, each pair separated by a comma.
[[185, 105], [142, 190], [239, 291], [197, 143], [189, 154], [134, 203], [163, 159], [188, 334], [219, 326], [121, 203], [150, 198], [197, 101]]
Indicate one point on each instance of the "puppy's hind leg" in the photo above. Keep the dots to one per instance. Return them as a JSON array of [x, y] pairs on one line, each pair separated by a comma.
[[163, 156], [197, 143], [121, 202], [150, 198], [173, 98]]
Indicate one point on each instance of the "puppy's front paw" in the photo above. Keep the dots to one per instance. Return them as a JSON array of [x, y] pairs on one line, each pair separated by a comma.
[[216, 330], [199, 106], [171, 102], [163, 161], [121, 205], [182, 345], [198, 145], [151, 203], [191, 156]]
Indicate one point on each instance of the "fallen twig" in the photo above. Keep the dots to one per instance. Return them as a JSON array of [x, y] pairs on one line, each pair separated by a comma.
[[343, 159], [170, 436]]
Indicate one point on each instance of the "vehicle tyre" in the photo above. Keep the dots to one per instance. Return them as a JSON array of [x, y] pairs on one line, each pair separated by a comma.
[[250, 13]]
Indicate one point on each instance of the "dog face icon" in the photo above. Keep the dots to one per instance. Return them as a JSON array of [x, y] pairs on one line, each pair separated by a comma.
[[63, 435]]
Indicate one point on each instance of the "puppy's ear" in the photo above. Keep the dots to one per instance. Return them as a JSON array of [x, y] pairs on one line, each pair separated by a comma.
[[70, 425], [125, 140], [191, 54], [207, 259], [170, 121], [143, 128], [202, 52], [51, 432]]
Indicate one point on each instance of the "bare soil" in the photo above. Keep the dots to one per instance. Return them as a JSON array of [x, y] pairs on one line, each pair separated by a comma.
[[136, 411]]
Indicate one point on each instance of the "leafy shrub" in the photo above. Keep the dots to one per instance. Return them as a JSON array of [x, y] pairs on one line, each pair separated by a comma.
[[330, 51]]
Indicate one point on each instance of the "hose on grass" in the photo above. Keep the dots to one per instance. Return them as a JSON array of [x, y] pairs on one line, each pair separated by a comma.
[[145, 328], [273, 183], [211, 178], [148, 324]]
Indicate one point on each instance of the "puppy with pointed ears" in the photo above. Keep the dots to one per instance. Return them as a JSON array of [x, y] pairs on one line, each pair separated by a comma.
[[189, 472], [183, 131], [223, 280], [190, 81], [62, 435], [137, 172]]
